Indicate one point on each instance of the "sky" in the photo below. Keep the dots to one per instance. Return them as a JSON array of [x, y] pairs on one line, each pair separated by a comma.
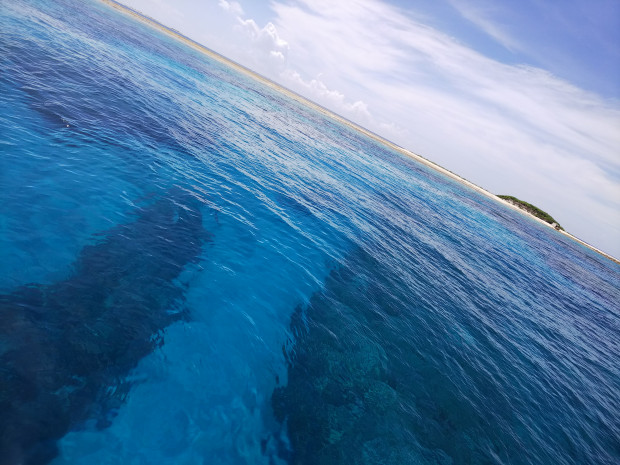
[[521, 97]]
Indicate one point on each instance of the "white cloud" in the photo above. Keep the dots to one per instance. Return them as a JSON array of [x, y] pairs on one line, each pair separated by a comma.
[[260, 49], [265, 40], [317, 91], [233, 8], [222, 26], [485, 16]]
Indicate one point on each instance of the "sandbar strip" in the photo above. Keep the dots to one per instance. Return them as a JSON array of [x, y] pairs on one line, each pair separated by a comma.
[[289, 93]]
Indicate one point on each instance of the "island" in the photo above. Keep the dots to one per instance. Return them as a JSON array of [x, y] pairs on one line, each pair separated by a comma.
[[532, 210]]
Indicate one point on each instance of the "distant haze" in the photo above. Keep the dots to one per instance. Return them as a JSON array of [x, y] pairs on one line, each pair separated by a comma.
[[519, 97]]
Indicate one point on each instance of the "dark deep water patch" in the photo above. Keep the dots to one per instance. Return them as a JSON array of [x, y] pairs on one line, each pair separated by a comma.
[[67, 347], [378, 374]]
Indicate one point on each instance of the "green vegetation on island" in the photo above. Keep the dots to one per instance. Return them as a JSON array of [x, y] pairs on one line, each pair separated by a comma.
[[532, 210]]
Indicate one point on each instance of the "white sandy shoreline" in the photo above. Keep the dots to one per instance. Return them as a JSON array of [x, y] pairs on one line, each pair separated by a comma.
[[216, 56]]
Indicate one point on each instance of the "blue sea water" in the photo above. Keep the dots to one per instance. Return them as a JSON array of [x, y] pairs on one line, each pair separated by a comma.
[[196, 269]]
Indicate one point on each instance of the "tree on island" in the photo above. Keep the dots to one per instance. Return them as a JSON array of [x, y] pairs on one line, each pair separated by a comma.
[[532, 210]]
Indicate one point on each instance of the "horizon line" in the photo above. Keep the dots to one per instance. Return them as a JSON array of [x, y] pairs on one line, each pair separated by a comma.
[[138, 15]]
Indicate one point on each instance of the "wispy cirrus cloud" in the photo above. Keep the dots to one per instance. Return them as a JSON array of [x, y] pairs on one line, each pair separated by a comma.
[[487, 17]]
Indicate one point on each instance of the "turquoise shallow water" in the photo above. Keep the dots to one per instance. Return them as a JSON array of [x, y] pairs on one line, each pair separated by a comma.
[[195, 269]]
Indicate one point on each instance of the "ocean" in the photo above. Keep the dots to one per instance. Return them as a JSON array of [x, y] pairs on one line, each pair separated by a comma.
[[198, 269]]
